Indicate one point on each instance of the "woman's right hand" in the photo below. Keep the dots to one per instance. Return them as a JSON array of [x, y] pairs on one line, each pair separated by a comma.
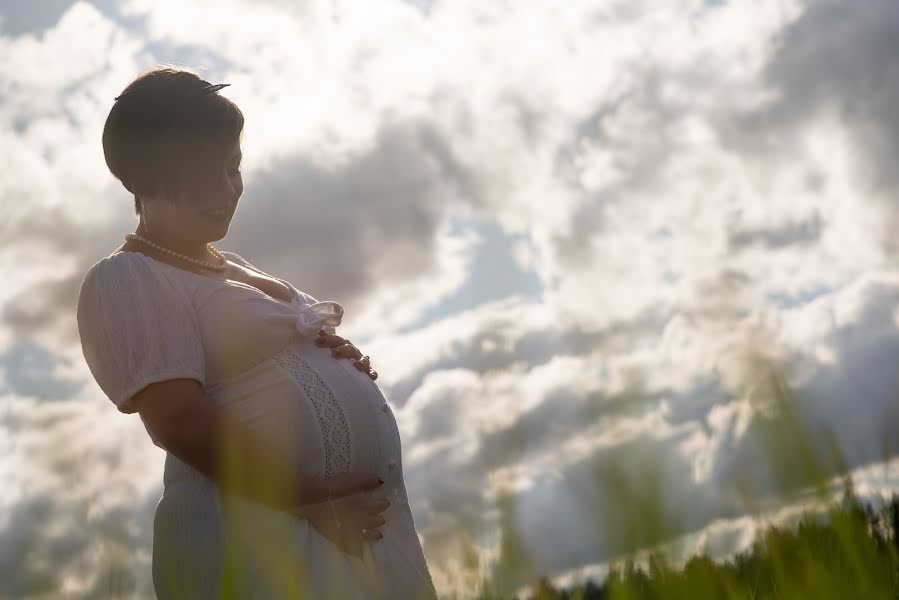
[[350, 505], [354, 514]]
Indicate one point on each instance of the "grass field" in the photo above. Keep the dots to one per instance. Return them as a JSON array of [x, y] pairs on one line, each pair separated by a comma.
[[841, 549], [853, 553]]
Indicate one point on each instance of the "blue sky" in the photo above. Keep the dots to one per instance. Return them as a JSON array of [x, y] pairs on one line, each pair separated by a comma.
[[563, 235]]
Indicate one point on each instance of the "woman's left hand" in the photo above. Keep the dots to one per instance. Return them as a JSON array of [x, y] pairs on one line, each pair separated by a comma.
[[344, 348]]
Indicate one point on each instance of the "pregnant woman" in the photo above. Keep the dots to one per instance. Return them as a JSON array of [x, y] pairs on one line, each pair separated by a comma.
[[283, 474]]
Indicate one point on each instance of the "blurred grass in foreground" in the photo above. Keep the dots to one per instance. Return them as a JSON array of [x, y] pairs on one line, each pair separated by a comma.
[[853, 553], [841, 548]]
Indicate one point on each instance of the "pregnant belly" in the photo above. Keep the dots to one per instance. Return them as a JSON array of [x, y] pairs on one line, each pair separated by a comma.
[[321, 412]]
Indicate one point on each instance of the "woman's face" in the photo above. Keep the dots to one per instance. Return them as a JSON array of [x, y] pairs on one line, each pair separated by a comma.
[[198, 220]]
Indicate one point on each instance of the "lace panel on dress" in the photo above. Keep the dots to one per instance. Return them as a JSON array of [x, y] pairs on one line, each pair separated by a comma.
[[333, 423]]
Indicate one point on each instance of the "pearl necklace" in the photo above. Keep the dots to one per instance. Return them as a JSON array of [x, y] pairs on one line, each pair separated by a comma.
[[201, 263]]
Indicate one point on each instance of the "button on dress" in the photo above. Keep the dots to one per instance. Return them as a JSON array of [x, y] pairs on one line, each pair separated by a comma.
[[143, 321]]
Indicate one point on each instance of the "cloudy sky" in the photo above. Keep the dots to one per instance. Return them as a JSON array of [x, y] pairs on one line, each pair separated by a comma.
[[588, 246]]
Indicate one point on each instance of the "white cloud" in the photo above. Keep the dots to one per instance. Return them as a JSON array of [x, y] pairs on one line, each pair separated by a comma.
[[77, 498]]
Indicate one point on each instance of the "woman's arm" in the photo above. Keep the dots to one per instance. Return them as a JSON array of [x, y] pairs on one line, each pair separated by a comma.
[[229, 453]]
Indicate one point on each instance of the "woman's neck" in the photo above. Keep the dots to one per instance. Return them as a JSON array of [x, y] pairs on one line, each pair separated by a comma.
[[197, 250]]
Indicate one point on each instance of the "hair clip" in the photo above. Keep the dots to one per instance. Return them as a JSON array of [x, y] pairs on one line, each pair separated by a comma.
[[207, 89], [213, 88]]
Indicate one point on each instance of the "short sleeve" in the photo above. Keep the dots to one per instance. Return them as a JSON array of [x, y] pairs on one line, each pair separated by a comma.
[[137, 327]]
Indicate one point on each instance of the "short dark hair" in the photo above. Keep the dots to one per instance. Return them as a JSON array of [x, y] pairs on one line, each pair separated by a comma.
[[166, 135]]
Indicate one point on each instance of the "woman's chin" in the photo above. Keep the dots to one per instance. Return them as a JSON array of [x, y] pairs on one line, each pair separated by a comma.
[[217, 231]]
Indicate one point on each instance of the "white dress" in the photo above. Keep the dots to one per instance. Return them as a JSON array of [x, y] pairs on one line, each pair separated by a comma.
[[142, 321]]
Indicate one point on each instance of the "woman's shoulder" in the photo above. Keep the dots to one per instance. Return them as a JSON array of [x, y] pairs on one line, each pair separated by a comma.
[[115, 265], [237, 258], [125, 293], [303, 296], [129, 273]]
